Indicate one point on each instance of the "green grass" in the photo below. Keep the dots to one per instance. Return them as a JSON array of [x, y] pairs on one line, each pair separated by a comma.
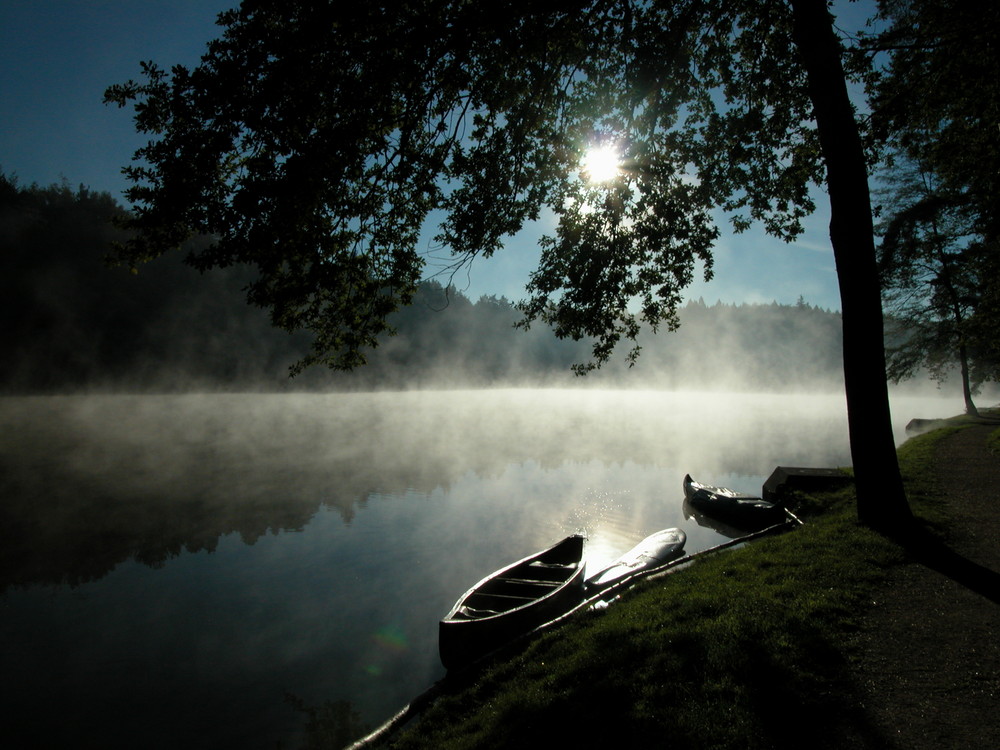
[[745, 649], [994, 442]]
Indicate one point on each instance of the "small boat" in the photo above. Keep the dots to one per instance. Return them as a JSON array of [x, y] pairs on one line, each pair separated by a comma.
[[734, 508], [653, 551], [512, 601]]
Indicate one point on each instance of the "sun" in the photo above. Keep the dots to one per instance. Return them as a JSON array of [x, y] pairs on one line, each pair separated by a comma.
[[602, 163]]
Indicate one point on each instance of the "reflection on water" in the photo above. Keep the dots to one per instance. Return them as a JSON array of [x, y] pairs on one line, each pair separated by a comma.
[[173, 567]]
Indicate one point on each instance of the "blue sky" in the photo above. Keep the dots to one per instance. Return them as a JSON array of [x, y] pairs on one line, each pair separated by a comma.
[[58, 56]]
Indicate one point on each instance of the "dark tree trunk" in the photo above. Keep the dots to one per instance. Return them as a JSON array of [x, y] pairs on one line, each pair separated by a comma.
[[958, 317], [881, 500], [963, 358]]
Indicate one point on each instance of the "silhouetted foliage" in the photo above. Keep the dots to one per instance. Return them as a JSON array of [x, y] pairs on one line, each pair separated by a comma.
[[938, 101], [71, 323], [933, 264], [314, 140], [935, 106]]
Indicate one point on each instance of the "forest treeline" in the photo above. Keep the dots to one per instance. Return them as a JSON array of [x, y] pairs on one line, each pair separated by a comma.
[[72, 323]]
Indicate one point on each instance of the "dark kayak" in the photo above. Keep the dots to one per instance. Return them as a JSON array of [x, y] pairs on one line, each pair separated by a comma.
[[736, 509]]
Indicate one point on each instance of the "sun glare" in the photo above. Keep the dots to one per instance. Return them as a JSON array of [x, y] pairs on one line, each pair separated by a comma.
[[602, 163]]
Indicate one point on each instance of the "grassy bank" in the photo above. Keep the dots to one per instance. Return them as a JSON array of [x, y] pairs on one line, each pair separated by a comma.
[[994, 442], [745, 649]]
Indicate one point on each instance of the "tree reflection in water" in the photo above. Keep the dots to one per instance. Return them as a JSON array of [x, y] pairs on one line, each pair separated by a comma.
[[332, 724]]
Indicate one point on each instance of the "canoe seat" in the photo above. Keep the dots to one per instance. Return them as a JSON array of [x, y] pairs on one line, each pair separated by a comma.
[[532, 582], [520, 588], [543, 572], [500, 598], [493, 603], [470, 613]]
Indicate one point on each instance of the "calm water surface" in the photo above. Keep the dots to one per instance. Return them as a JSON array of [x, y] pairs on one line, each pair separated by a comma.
[[173, 567]]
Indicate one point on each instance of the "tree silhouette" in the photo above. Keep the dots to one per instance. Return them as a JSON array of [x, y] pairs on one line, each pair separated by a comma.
[[933, 275], [70, 323], [936, 106], [938, 100], [314, 141]]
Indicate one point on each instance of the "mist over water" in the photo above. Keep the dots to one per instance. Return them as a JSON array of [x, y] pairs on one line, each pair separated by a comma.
[[172, 566]]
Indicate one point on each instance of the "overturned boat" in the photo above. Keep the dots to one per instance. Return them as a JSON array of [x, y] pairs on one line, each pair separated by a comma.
[[513, 601], [652, 552]]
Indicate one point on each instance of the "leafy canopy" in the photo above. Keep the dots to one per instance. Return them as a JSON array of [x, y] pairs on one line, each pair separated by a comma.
[[932, 266], [936, 107], [315, 139]]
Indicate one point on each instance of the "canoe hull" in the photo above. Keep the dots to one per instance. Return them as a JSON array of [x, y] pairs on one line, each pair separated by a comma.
[[512, 601]]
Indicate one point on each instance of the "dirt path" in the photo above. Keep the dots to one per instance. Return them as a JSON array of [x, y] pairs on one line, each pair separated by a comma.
[[930, 649]]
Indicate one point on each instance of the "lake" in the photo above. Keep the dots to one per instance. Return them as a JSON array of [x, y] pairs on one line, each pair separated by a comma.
[[179, 571]]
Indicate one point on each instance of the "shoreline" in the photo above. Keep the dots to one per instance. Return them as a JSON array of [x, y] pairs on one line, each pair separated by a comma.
[[840, 703]]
